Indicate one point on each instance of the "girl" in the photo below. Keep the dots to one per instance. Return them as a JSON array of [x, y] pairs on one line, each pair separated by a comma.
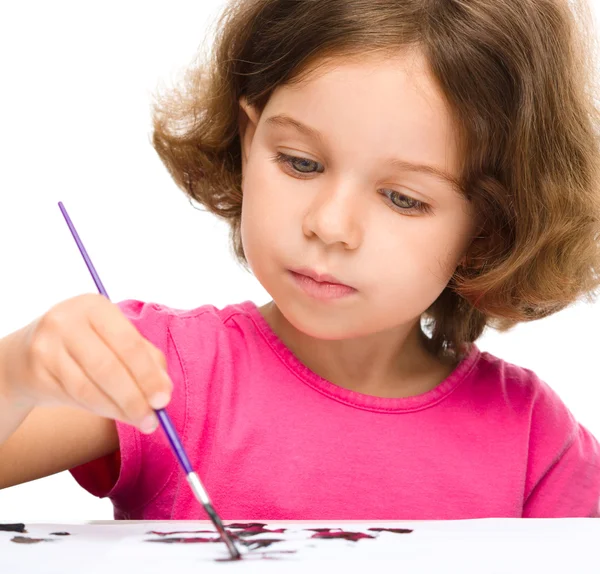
[[398, 174]]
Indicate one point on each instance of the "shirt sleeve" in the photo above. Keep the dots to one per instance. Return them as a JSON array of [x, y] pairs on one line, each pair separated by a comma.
[[564, 463], [118, 476]]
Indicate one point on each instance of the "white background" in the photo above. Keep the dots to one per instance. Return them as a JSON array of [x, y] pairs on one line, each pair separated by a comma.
[[77, 80]]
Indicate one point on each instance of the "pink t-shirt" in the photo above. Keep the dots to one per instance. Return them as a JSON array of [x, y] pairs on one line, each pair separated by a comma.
[[272, 440]]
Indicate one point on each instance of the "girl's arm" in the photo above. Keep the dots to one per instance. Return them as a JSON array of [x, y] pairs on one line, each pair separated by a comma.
[[40, 441], [64, 380], [53, 439]]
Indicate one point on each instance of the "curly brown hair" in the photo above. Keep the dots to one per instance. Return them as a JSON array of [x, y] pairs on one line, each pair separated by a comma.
[[518, 77]]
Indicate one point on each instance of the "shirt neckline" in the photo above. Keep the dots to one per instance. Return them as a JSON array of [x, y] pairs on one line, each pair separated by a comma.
[[354, 398]]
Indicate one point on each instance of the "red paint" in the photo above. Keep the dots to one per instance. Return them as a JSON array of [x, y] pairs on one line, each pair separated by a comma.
[[253, 528]]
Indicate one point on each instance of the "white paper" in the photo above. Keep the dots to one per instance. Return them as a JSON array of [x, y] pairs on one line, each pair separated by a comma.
[[481, 546]]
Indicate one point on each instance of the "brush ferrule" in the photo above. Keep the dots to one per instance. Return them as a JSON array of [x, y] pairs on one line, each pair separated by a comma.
[[197, 488]]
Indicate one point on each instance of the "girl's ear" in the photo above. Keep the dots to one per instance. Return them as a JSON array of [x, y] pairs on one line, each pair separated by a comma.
[[247, 122], [476, 255]]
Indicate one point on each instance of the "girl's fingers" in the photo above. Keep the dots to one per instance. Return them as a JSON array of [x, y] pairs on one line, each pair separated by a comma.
[[103, 367], [145, 363], [78, 389]]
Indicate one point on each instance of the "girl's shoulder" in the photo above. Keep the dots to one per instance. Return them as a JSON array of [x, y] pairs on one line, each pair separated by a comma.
[[515, 409], [142, 310], [157, 318], [520, 389], [201, 335]]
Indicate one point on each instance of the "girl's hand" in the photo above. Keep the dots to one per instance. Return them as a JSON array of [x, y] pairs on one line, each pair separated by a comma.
[[84, 352]]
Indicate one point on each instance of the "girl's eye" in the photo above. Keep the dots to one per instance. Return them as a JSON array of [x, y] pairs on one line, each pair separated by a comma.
[[399, 200], [300, 165], [297, 164]]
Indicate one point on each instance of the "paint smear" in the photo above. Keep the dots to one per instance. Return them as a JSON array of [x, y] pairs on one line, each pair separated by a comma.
[[245, 529], [253, 528], [18, 527], [329, 533], [26, 540], [60, 534], [261, 543], [394, 530], [248, 529], [185, 540]]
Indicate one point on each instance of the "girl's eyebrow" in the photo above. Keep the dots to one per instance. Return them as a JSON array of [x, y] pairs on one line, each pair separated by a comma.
[[283, 120]]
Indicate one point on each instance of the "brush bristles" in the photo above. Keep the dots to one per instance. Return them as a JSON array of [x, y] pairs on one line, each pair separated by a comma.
[[203, 499]]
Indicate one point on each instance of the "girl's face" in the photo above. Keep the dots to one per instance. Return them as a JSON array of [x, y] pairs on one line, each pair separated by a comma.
[[329, 184]]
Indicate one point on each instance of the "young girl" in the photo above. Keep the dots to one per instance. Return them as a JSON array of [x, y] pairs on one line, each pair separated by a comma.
[[398, 174]]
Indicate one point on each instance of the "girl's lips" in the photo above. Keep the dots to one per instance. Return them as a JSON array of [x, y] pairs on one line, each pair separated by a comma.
[[322, 290], [319, 277]]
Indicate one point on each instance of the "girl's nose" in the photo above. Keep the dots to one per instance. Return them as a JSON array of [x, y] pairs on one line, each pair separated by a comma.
[[334, 217]]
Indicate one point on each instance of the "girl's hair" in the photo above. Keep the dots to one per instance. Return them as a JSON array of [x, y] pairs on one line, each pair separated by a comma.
[[517, 75]]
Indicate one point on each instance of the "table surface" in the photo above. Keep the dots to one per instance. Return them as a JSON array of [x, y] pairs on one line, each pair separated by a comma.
[[498, 546]]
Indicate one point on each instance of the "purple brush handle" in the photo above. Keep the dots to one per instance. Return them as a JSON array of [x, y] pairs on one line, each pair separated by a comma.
[[162, 415]]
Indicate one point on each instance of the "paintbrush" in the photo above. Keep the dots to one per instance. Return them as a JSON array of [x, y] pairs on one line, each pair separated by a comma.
[[165, 421]]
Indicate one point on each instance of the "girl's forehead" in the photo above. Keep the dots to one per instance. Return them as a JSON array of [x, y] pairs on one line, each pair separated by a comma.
[[388, 102], [409, 61], [375, 81]]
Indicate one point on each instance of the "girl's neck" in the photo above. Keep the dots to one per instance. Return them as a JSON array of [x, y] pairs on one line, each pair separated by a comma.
[[388, 364]]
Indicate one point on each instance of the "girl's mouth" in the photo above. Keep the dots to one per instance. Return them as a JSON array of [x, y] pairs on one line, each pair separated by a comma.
[[321, 289]]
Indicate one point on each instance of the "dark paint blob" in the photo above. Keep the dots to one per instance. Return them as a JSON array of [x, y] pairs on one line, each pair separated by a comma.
[[60, 534], [19, 527], [25, 540], [395, 530], [353, 536]]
